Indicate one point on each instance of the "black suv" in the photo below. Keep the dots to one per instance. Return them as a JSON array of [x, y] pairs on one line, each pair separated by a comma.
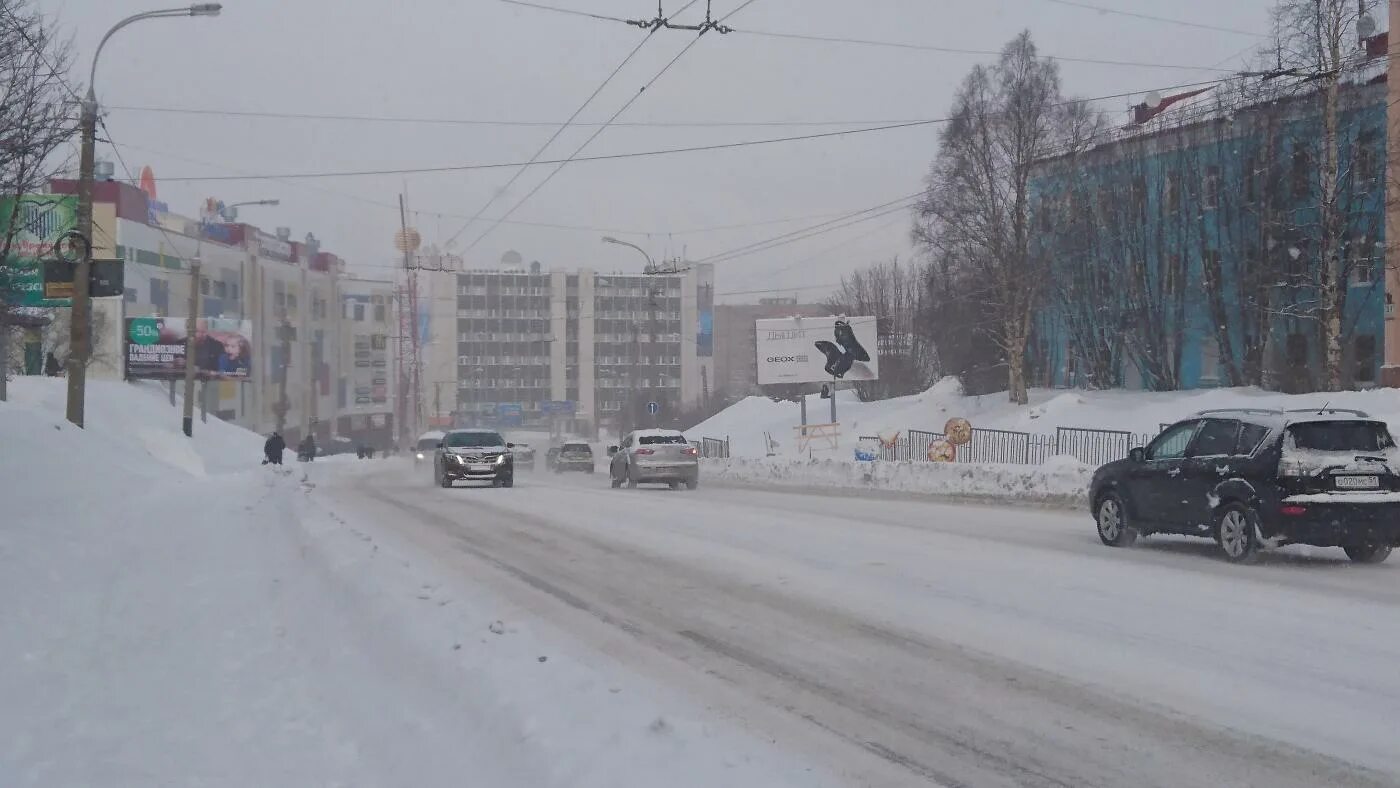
[[1254, 478]]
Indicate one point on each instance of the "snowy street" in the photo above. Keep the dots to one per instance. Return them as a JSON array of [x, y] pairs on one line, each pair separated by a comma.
[[899, 642]]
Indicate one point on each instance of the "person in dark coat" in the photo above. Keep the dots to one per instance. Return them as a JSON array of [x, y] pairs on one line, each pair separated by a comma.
[[307, 449], [51, 366], [274, 447]]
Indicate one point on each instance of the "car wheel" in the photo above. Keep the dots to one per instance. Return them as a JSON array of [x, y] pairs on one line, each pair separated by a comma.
[[1235, 530], [1369, 553], [445, 481], [508, 481], [1114, 528], [631, 480]]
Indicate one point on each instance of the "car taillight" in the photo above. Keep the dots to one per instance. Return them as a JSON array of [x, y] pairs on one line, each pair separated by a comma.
[[646, 452], [1293, 510], [690, 451]]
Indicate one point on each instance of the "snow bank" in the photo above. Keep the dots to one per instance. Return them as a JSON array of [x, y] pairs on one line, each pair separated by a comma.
[[170, 607], [1061, 482], [745, 422]]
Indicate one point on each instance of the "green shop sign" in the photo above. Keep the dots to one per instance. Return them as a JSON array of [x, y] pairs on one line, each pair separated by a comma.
[[31, 274]]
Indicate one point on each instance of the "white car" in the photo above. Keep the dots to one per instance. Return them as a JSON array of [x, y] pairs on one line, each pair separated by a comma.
[[655, 457]]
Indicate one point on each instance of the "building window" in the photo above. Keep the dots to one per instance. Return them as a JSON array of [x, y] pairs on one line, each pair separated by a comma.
[[1362, 261], [1302, 173], [1365, 358], [129, 294], [380, 313], [359, 312], [160, 296], [203, 286], [1210, 188], [1364, 169]]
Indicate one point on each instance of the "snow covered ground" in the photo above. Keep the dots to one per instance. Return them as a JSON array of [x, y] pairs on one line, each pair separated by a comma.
[[175, 614], [1132, 411], [186, 617]]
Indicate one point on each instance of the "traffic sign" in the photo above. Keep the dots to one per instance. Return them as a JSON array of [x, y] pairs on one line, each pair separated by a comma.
[[144, 331], [653, 408]]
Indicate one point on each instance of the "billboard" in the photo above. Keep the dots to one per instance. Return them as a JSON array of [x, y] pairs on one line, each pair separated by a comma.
[[816, 349], [31, 274], [155, 348]]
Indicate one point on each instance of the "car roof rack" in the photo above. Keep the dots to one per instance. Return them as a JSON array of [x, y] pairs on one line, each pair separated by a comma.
[[1256, 411], [1326, 409]]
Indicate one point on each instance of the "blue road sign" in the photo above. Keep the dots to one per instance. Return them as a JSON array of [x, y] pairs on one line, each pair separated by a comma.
[[653, 408]]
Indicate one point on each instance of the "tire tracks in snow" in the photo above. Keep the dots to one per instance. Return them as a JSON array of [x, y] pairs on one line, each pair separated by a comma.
[[982, 720]]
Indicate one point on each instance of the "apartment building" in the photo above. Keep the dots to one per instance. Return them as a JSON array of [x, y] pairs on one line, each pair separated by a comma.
[[591, 349], [288, 292]]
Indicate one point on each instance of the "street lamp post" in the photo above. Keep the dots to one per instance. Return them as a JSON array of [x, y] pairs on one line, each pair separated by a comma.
[[651, 264], [80, 318]]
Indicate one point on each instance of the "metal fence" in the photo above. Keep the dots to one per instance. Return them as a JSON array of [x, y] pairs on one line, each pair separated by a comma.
[[714, 448], [1089, 446]]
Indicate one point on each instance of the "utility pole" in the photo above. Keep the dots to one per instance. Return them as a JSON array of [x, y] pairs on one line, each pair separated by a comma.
[[80, 316], [1390, 370], [283, 405], [191, 326]]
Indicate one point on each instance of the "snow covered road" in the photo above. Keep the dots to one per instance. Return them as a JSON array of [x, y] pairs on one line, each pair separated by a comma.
[[900, 642]]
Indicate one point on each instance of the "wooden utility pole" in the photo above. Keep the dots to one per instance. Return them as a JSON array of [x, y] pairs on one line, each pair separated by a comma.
[[191, 365], [1390, 370]]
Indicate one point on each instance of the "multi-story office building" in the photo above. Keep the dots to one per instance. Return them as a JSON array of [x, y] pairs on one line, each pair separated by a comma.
[[595, 350]]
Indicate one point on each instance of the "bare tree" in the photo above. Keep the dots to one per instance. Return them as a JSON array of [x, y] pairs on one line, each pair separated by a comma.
[[894, 294], [1317, 43], [37, 116], [976, 213]]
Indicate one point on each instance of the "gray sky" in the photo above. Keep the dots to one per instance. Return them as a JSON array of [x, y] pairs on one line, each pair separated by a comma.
[[482, 59]]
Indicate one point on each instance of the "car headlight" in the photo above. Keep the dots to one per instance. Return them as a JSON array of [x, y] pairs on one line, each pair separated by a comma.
[[501, 459], [420, 455]]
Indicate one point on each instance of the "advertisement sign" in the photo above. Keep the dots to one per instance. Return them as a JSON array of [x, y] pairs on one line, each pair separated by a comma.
[[275, 248], [565, 407], [40, 220], [816, 349], [705, 333], [509, 414], [155, 348]]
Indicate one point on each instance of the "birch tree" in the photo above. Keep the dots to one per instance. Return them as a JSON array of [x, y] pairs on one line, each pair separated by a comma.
[[1318, 44], [1006, 117]]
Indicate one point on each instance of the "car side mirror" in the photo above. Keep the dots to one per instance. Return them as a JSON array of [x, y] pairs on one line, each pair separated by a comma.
[[1138, 454], [510, 445], [612, 450]]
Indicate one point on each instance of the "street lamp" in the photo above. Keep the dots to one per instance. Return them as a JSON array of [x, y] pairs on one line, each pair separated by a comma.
[[80, 319], [651, 266], [231, 211]]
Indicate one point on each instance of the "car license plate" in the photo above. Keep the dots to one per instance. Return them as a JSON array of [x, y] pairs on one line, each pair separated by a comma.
[[479, 468], [1357, 482]]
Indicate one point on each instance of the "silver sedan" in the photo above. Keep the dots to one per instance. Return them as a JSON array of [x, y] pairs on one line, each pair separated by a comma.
[[655, 457]]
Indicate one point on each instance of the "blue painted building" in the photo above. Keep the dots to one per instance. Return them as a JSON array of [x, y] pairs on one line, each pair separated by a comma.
[[1186, 251]]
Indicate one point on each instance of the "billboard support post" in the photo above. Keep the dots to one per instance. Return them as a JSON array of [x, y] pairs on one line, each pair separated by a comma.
[[833, 400], [191, 329]]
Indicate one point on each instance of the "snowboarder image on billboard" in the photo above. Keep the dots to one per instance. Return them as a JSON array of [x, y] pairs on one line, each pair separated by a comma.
[[844, 352]]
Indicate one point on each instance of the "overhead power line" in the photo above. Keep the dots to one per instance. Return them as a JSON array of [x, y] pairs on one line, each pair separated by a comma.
[[565, 125], [701, 29], [963, 51], [340, 117], [1149, 17], [655, 152], [569, 11]]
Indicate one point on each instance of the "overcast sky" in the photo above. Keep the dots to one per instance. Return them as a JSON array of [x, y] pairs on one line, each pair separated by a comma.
[[486, 60]]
